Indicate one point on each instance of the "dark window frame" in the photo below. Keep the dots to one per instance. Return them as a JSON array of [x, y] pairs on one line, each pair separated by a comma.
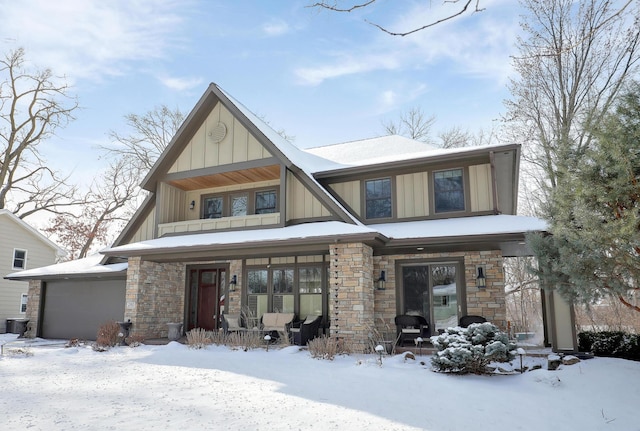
[[227, 201], [441, 204], [378, 199], [271, 291]]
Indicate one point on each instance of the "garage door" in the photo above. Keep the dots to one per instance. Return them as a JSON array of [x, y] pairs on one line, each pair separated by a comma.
[[77, 308]]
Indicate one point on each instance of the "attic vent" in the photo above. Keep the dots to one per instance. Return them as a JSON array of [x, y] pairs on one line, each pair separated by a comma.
[[218, 133]]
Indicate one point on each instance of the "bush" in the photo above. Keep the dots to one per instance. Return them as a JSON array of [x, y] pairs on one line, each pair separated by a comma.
[[109, 335], [470, 350], [325, 347], [616, 344], [198, 338]]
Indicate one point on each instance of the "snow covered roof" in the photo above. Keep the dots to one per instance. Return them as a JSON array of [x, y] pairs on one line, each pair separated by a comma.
[[323, 231], [307, 231], [372, 150], [88, 266], [461, 227]]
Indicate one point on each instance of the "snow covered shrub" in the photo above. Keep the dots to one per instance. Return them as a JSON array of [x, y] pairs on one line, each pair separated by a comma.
[[610, 343], [470, 350], [198, 338], [134, 340], [108, 335]]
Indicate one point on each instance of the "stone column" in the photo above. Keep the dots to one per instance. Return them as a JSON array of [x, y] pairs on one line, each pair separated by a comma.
[[488, 302], [351, 304], [154, 296], [34, 295]]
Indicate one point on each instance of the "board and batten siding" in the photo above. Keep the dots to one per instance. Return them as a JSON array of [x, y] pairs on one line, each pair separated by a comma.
[[301, 204], [412, 191], [171, 204], [349, 192], [480, 193], [14, 236], [237, 146], [147, 228]]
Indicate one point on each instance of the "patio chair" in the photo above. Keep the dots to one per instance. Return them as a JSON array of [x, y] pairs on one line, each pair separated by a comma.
[[304, 331], [465, 321], [411, 327], [232, 323]]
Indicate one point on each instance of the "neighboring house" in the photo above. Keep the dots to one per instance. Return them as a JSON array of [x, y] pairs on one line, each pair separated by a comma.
[[21, 248], [238, 218]]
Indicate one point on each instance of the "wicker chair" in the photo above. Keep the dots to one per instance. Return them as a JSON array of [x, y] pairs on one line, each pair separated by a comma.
[[303, 331], [465, 321], [411, 327]]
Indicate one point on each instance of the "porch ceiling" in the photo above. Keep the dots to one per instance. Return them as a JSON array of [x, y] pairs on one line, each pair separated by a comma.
[[244, 176]]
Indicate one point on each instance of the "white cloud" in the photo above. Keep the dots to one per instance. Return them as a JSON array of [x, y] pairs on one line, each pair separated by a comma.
[[477, 44], [347, 65], [91, 40], [276, 28], [180, 84]]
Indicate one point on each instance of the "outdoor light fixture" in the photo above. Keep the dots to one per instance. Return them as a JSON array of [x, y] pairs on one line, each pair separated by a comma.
[[233, 282], [481, 281], [381, 280], [192, 205]]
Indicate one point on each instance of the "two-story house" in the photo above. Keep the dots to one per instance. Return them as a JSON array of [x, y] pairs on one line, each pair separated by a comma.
[[21, 248], [238, 218]]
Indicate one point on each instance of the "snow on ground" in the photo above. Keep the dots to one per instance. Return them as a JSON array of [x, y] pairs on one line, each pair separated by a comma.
[[173, 387]]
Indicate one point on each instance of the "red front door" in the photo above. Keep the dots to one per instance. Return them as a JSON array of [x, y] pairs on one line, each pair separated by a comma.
[[205, 298]]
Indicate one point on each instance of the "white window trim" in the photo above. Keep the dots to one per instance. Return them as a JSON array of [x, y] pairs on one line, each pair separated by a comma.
[[24, 298], [13, 259]]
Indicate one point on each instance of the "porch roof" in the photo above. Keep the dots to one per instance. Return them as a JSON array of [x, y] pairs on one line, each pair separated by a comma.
[[481, 232]]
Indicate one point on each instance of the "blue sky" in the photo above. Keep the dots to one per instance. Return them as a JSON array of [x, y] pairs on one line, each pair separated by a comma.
[[322, 77]]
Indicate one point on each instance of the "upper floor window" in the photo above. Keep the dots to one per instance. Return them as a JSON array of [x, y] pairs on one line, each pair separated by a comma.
[[266, 202], [213, 207], [238, 204], [378, 198], [19, 259], [448, 190]]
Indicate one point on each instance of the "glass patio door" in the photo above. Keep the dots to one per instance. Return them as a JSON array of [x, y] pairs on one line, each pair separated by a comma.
[[431, 291]]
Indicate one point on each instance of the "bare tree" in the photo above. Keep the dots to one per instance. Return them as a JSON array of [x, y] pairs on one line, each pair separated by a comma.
[[412, 124], [33, 104], [150, 135], [454, 8], [572, 65], [113, 196], [105, 204]]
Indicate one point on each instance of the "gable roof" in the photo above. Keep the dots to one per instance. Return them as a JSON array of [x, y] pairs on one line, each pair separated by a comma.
[[294, 159], [8, 215]]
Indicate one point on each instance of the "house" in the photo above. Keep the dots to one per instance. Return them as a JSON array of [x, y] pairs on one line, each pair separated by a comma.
[[238, 218], [21, 248]]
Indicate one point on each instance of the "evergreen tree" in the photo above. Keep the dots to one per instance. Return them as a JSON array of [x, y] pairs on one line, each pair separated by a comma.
[[593, 213]]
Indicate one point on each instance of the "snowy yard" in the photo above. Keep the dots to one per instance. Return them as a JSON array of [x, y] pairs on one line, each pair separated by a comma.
[[175, 388]]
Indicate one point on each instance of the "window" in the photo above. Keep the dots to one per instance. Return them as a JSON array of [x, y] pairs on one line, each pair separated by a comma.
[[310, 288], [213, 207], [448, 191], [299, 288], [19, 259], [266, 202], [283, 298], [257, 297], [238, 204], [378, 198], [23, 303]]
